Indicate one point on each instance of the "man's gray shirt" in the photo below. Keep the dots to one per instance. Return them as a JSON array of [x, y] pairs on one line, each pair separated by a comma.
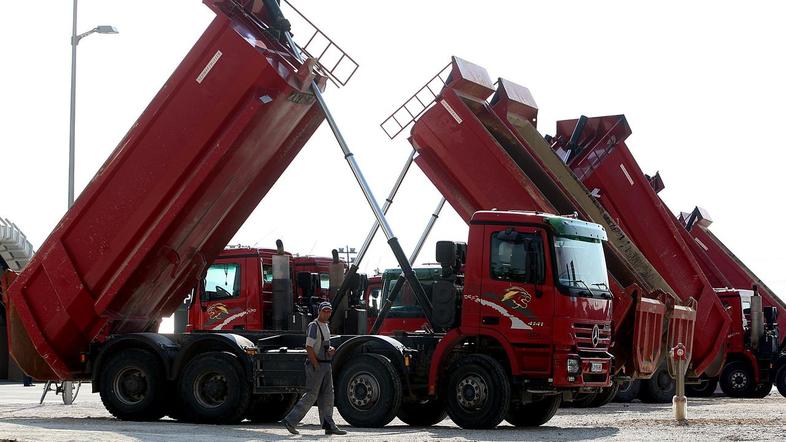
[[315, 339]]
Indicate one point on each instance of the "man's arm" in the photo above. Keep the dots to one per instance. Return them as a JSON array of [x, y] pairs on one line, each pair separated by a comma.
[[312, 355], [311, 340]]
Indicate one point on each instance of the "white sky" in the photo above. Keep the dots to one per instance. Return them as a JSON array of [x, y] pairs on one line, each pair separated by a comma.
[[698, 82]]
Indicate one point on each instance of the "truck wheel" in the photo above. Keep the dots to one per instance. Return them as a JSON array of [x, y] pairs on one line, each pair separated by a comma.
[[659, 389], [780, 381], [705, 388], [213, 390], [737, 379], [762, 390], [133, 386], [606, 395], [628, 391], [533, 414], [270, 407], [369, 391], [422, 413], [477, 392]]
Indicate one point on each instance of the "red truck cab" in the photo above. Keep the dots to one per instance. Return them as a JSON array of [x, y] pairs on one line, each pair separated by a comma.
[[753, 345], [236, 291], [535, 287]]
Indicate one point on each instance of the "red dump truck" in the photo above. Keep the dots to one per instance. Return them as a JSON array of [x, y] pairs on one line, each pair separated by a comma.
[[484, 155], [757, 340], [513, 334]]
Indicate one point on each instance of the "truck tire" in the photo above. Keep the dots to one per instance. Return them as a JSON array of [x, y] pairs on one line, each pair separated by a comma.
[[133, 386], [628, 391], [780, 381], [705, 388], [533, 414], [605, 395], [369, 391], [659, 389], [422, 413], [269, 408], [213, 389], [761, 391], [736, 379], [477, 392]]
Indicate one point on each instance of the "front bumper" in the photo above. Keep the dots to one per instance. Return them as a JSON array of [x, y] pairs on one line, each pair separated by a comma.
[[593, 371]]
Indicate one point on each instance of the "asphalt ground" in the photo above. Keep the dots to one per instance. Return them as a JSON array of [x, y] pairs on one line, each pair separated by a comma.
[[717, 418]]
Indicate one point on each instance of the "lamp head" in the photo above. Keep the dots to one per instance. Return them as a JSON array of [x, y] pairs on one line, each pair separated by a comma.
[[106, 29]]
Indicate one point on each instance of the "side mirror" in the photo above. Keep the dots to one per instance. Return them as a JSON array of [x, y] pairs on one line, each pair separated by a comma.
[[446, 253]]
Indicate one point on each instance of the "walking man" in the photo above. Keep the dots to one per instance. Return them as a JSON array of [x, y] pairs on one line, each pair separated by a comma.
[[319, 376]]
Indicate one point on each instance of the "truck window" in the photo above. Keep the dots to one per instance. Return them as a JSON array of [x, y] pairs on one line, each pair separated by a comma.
[[324, 281], [375, 299], [517, 257], [222, 281], [267, 273]]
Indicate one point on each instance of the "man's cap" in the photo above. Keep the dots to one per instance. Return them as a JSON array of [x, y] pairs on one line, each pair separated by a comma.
[[325, 305]]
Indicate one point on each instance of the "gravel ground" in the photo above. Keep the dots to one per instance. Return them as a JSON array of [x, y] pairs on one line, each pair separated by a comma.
[[718, 418]]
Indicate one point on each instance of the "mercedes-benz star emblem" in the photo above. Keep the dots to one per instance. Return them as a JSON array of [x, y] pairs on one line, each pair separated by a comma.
[[595, 335]]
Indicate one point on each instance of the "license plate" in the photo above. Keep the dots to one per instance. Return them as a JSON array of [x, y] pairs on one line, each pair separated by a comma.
[[597, 367]]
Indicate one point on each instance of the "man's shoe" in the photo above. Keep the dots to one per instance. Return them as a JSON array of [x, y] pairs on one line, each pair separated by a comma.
[[290, 427], [335, 430]]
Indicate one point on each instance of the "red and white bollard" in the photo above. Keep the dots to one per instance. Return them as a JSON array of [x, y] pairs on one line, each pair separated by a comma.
[[680, 402]]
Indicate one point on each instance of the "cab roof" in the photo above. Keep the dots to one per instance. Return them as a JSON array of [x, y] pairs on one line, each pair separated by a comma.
[[561, 225]]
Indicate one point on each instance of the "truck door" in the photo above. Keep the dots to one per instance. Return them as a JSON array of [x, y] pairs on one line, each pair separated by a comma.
[[222, 306], [514, 295]]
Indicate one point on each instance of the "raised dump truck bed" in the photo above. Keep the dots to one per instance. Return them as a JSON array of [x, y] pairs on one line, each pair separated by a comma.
[[199, 159], [595, 150], [475, 160]]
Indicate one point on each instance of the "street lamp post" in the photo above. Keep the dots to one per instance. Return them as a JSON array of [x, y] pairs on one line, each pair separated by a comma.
[[74, 42]]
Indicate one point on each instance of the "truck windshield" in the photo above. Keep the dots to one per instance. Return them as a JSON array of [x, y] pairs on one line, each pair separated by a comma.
[[581, 265]]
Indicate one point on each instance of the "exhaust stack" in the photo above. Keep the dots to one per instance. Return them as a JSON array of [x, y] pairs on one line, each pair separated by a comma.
[[282, 288], [757, 318]]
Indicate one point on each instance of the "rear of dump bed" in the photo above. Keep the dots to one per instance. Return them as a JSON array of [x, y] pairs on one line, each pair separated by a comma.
[[189, 172], [477, 162], [602, 161]]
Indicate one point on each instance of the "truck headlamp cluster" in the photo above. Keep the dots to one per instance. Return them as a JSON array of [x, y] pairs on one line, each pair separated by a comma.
[[574, 366]]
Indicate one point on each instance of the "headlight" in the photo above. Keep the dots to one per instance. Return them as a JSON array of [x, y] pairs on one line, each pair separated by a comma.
[[574, 366]]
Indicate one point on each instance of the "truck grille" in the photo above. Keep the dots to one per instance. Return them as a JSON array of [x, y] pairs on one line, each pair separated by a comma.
[[583, 333]]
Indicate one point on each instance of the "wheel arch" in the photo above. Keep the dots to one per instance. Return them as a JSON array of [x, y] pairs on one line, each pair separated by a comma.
[[493, 344], [236, 345], [163, 348], [375, 344]]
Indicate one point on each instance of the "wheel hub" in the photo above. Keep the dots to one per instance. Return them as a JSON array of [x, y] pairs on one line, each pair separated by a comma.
[[210, 390], [739, 380], [131, 386], [363, 391], [472, 392]]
